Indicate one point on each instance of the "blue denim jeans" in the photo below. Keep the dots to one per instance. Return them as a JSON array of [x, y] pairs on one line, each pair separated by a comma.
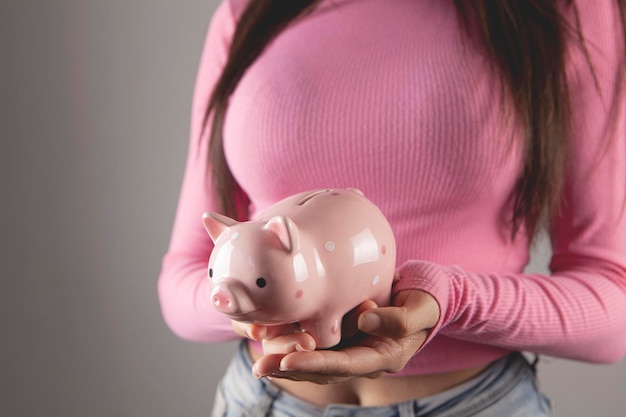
[[507, 388]]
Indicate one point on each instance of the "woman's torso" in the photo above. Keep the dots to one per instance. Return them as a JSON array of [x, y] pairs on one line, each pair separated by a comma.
[[391, 98]]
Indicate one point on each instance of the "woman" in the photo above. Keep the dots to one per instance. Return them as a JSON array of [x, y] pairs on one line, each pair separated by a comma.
[[473, 126]]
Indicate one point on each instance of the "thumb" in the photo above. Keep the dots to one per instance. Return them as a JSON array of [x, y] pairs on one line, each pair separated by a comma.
[[413, 312]]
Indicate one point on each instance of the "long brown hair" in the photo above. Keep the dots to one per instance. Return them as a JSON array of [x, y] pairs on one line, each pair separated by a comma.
[[527, 42]]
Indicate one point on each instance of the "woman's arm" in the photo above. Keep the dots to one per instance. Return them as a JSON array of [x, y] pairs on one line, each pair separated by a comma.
[[183, 284], [579, 311]]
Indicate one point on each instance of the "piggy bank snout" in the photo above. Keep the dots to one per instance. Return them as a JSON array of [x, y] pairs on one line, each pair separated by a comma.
[[231, 297]]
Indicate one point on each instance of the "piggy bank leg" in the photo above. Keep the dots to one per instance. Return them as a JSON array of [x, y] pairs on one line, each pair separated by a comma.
[[326, 331]]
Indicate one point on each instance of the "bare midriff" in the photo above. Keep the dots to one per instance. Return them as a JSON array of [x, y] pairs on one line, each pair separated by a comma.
[[374, 392]]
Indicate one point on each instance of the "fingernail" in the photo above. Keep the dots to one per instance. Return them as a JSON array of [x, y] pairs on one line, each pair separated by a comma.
[[256, 373], [369, 322], [250, 333], [301, 348]]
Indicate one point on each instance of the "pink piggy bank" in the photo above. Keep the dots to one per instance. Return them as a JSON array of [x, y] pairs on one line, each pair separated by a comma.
[[310, 259]]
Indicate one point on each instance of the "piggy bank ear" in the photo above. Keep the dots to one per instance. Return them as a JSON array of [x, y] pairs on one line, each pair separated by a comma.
[[285, 230], [216, 224]]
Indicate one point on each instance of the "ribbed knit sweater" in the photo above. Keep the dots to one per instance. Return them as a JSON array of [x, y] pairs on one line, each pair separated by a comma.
[[392, 97]]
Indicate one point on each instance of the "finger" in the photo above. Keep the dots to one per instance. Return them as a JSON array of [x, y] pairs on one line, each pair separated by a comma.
[[274, 331], [293, 342], [349, 325], [259, 332], [267, 365], [250, 331], [347, 363], [412, 312]]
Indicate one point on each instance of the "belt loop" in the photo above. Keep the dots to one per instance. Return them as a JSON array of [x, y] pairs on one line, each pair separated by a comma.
[[407, 409], [266, 399]]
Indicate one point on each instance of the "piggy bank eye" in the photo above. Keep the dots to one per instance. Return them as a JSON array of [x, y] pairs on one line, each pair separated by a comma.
[[261, 282], [210, 272]]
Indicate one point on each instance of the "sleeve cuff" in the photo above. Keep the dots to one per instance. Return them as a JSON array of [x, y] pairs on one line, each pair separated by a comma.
[[431, 278]]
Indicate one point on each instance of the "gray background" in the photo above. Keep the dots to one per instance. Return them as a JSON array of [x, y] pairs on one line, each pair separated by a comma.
[[94, 110]]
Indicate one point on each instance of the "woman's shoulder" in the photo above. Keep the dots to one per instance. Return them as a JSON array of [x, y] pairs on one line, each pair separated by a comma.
[[237, 7]]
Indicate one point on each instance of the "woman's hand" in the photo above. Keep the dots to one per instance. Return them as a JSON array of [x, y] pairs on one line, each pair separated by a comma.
[[390, 337], [280, 339]]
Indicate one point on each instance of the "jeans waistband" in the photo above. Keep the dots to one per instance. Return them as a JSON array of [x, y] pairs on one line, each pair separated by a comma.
[[263, 398]]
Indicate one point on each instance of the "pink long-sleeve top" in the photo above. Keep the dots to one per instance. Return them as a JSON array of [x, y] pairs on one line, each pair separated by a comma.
[[392, 98]]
